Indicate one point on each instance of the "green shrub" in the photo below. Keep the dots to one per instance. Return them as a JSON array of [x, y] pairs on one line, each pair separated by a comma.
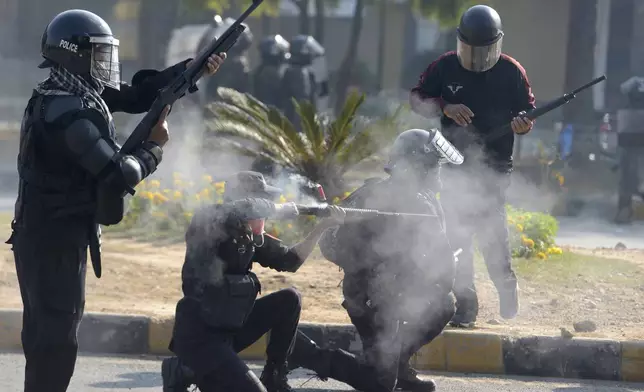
[[158, 212]]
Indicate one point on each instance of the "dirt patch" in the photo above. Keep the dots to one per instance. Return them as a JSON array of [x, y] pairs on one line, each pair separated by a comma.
[[143, 279]]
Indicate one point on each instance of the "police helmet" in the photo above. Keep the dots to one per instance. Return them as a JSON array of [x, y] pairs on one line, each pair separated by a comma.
[[304, 49], [480, 38], [83, 43], [274, 49], [421, 150]]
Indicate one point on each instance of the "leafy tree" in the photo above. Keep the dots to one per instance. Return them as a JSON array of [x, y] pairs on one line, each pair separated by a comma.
[[325, 149]]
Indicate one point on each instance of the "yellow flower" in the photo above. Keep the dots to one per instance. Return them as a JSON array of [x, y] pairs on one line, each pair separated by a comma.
[[511, 221], [166, 191], [220, 200], [519, 227], [220, 187], [555, 250], [346, 194], [527, 242], [155, 184], [336, 200], [290, 226], [198, 197], [282, 199], [205, 193], [206, 178], [158, 198], [177, 195], [541, 256]]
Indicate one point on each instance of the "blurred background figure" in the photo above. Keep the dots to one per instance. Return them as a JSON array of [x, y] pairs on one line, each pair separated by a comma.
[[274, 53], [300, 81], [237, 75]]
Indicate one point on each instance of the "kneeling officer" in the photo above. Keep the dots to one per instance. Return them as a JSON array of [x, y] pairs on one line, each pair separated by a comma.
[[219, 315]]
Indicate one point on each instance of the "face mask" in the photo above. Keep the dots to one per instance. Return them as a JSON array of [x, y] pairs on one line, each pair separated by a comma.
[[257, 226]]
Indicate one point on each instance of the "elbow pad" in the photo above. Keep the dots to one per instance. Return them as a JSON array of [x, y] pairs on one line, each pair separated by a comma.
[[149, 156]]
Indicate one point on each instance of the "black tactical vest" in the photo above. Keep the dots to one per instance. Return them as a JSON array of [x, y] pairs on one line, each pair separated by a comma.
[[52, 187]]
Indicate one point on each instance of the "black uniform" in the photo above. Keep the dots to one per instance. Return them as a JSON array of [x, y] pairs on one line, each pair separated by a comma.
[[219, 315], [496, 89], [71, 180], [398, 271], [274, 51], [299, 81], [235, 73]]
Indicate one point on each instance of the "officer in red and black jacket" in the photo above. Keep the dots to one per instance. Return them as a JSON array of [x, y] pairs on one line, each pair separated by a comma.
[[475, 90]]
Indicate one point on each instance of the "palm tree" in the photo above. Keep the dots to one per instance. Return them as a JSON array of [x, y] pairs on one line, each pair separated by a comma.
[[325, 149]]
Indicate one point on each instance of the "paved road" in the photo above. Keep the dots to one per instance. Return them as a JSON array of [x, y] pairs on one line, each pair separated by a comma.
[[140, 374]]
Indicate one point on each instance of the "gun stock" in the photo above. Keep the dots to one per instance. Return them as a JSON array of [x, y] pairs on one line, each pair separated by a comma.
[[178, 87], [548, 107]]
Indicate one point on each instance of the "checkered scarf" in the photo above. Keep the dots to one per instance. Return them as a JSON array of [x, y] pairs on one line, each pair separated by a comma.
[[63, 82]]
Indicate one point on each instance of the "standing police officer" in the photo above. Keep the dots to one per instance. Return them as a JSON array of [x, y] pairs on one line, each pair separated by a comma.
[[236, 73], [299, 81], [73, 179], [398, 271], [274, 52], [478, 89], [219, 315]]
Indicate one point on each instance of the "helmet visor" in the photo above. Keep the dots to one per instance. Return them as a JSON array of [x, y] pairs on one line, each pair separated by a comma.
[[105, 66], [478, 58], [448, 152]]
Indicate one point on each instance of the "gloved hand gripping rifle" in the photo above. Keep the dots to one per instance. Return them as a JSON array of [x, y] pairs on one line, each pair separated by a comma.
[[175, 90]]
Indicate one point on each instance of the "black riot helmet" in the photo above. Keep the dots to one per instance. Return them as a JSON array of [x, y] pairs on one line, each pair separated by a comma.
[[420, 151], [480, 38], [82, 43], [304, 49], [274, 49]]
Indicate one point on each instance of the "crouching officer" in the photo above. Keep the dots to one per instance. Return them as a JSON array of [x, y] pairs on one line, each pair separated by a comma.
[[398, 271], [219, 315], [73, 179]]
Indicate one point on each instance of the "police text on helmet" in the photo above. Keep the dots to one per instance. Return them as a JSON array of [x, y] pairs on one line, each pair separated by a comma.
[[68, 45]]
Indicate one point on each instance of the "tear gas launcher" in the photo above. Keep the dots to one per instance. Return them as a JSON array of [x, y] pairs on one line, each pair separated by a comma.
[[355, 213], [178, 87], [548, 107]]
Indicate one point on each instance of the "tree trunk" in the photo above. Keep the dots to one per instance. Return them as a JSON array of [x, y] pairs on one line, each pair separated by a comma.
[[580, 59], [305, 21], [346, 69], [157, 19], [382, 33], [319, 21]]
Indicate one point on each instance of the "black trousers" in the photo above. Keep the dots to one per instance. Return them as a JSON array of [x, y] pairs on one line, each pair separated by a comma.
[[474, 205], [52, 286], [212, 354], [374, 328]]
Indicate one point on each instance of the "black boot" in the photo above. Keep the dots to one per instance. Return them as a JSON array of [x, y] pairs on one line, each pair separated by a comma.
[[274, 377], [408, 380], [176, 377], [339, 365]]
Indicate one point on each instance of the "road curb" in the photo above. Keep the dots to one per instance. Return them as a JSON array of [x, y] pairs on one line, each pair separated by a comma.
[[452, 351]]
